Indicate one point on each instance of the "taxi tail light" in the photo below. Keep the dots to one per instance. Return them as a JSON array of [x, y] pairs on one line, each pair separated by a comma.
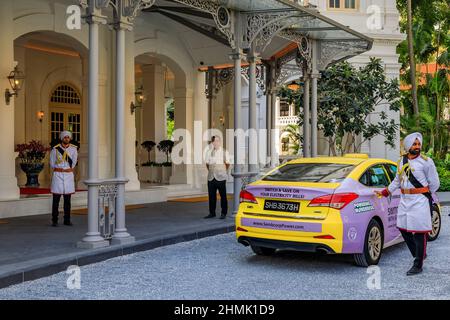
[[246, 196], [335, 201], [327, 236], [241, 229]]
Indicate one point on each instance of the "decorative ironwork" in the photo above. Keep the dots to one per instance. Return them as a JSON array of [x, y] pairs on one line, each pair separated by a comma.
[[223, 17], [286, 73], [107, 195], [260, 76], [223, 77], [333, 51], [125, 11], [260, 27], [304, 53]]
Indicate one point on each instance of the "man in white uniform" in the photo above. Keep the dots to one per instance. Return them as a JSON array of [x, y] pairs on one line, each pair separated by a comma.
[[417, 178], [217, 162], [63, 159]]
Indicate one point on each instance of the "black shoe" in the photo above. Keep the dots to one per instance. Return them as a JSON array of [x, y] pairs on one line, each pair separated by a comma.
[[413, 271], [54, 224], [209, 216], [223, 216], [70, 224]]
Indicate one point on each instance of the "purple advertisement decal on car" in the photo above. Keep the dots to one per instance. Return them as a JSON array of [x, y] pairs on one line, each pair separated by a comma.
[[282, 225]]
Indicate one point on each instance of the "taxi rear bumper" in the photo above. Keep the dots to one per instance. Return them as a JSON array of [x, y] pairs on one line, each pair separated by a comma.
[[285, 245]]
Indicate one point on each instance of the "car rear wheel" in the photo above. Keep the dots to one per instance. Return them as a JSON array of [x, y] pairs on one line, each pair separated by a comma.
[[373, 246], [263, 251], [435, 224]]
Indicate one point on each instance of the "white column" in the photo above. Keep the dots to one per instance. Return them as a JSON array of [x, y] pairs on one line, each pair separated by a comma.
[[93, 238], [153, 111], [274, 135], [252, 116], [133, 183], [268, 122], [8, 180], [306, 125], [237, 183], [314, 131], [274, 132], [314, 76], [121, 235], [184, 119]]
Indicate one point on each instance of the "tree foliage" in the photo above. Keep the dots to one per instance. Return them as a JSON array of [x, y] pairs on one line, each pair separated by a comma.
[[347, 96], [431, 37]]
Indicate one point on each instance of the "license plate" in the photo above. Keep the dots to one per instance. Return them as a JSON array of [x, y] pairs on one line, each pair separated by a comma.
[[285, 206]]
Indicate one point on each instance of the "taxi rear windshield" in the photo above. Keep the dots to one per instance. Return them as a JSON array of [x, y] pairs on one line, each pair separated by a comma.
[[310, 172]]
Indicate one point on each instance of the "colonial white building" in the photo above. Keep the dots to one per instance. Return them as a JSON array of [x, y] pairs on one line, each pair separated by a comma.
[[173, 51], [377, 19]]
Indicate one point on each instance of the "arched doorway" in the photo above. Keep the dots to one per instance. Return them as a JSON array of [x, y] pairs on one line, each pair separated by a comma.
[[65, 113], [55, 66]]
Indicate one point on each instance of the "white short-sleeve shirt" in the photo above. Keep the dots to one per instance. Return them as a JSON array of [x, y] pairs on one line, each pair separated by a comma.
[[216, 160]]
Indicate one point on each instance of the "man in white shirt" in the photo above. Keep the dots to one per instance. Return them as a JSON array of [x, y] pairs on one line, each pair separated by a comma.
[[217, 162]]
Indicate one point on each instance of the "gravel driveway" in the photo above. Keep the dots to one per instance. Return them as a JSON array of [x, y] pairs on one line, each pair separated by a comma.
[[220, 268]]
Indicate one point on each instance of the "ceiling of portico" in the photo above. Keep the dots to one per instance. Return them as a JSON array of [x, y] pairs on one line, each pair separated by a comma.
[[167, 15], [207, 46]]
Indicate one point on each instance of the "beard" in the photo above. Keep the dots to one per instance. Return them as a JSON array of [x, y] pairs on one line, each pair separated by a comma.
[[414, 152]]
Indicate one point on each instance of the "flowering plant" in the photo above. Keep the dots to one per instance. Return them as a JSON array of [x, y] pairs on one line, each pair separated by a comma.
[[32, 152]]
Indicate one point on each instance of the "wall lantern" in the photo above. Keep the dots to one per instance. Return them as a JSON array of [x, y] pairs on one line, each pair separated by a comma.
[[16, 79], [138, 99], [222, 120], [40, 115]]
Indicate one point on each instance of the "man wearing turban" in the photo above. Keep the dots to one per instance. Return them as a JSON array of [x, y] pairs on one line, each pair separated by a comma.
[[417, 178], [63, 159]]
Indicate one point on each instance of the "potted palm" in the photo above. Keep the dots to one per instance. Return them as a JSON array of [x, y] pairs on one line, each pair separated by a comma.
[[145, 170], [31, 156], [166, 147]]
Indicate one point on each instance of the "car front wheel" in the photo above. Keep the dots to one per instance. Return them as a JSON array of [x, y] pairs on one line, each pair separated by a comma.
[[373, 246]]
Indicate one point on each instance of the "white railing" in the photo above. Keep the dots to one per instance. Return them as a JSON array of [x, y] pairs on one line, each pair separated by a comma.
[[284, 121]]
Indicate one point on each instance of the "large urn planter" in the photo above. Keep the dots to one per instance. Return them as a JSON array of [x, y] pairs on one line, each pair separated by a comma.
[[32, 170]]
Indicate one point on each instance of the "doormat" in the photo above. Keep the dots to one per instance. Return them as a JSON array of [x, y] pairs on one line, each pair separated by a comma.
[[84, 211], [36, 191]]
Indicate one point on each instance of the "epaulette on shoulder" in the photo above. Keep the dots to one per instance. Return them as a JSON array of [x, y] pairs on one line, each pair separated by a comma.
[[72, 145], [424, 157], [58, 145]]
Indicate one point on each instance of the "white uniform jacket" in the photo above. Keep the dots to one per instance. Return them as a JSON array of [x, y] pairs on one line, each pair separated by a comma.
[[414, 209], [63, 182]]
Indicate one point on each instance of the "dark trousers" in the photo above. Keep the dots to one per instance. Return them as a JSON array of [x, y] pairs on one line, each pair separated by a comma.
[[55, 206], [417, 245], [213, 186]]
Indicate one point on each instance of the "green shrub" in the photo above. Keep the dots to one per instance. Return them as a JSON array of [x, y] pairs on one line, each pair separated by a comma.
[[443, 169]]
